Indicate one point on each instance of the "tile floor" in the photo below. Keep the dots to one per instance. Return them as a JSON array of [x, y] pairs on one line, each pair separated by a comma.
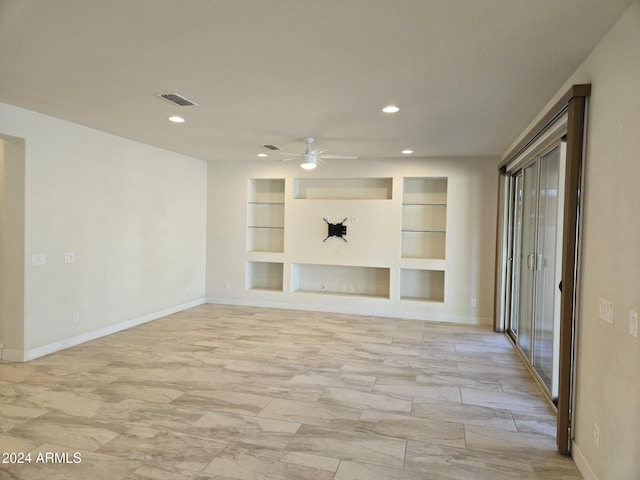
[[222, 392]]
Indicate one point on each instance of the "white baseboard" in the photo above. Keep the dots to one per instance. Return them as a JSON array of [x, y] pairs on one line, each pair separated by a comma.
[[26, 355], [582, 463]]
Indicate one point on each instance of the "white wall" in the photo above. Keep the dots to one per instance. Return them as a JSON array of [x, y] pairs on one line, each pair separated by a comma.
[[12, 167], [608, 358], [134, 216], [373, 241]]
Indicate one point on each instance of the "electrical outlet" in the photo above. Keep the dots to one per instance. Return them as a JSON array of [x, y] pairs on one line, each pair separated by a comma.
[[344, 289], [69, 257], [633, 323], [596, 435], [76, 317], [323, 287], [605, 310], [227, 286]]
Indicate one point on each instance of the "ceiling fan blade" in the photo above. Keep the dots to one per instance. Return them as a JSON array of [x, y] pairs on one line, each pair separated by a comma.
[[318, 151], [290, 154], [295, 157], [340, 157]]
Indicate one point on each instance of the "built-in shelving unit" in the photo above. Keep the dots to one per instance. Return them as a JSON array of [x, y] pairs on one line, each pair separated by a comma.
[[343, 188], [265, 215], [422, 285], [264, 276], [341, 280], [420, 276], [424, 217]]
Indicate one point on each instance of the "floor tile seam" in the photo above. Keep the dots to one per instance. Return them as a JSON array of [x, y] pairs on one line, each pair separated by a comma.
[[529, 446], [403, 398], [361, 432]]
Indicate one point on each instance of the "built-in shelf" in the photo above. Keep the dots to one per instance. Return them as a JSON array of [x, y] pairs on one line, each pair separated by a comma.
[[423, 245], [341, 280], [343, 188], [422, 285], [265, 215], [264, 276], [424, 190], [424, 217]]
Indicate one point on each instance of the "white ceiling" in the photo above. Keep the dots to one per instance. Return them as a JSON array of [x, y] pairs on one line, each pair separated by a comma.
[[468, 75]]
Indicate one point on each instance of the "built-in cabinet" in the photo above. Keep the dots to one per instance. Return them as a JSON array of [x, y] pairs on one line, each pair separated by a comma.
[[418, 270]]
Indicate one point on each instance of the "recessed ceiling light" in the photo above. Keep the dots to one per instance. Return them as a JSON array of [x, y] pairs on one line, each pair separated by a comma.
[[407, 152], [176, 119], [390, 109], [262, 154]]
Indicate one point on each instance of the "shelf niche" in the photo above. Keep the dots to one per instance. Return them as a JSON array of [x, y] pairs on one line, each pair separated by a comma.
[[422, 285], [264, 276], [265, 215], [424, 217], [343, 188], [341, 280]]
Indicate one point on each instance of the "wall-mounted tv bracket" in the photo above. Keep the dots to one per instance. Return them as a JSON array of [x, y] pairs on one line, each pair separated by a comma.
[[335, 229]]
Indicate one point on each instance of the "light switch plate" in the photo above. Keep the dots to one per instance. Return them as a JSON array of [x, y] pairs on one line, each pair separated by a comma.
[[38, 259]]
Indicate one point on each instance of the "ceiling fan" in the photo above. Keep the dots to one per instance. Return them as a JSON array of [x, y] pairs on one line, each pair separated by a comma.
[[311, 158]]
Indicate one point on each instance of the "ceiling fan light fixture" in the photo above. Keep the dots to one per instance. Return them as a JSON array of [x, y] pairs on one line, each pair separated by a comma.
[[407, 152], [309, 164]]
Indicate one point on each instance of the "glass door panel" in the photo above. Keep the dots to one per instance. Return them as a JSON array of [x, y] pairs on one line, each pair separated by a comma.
[[516, 255], [546, 311], [536, 250], [526, 259]]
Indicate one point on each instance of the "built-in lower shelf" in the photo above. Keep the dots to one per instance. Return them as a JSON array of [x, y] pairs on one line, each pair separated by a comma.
[[341, 280], [264, 276], [422, 285]]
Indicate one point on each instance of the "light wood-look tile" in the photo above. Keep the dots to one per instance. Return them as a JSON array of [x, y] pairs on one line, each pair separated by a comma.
[[231, 393]]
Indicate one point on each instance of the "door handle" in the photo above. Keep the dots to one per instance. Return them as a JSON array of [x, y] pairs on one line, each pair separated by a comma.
[[531, 262]]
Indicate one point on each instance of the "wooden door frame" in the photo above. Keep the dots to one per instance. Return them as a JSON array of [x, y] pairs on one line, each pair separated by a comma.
[[573, 102]]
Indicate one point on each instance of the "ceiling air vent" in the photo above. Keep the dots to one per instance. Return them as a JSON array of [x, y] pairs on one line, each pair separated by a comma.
[[272, 147], [178, 99]]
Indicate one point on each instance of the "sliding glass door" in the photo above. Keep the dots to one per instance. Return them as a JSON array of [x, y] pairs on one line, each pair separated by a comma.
[[536, 248]]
